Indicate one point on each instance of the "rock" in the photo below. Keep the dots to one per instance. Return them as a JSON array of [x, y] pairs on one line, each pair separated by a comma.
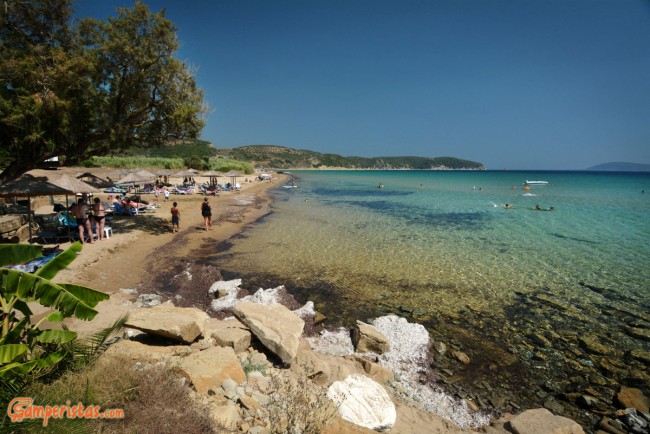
[[440, 347], [275, 326], [553, 406], [363, 402], [134, 350], [542, 421], [225, 415], [612, 426], [149, 300], [319, 318], [587, 401], [223, 287], [635, 421], [629, 397], [639, 333], [592, 345], [209, 368], [228, 333], [375, 371], [641, 355], [183, 324], [539, 340], [367, 339], [461, 357]]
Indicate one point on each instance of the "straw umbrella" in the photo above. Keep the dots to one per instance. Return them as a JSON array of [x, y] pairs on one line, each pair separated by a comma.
[[75, 185], [212, 174], [234, 174], [30, 186]]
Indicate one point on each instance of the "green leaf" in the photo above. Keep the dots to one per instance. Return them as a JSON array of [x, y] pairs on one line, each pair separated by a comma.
[[15, 333], [59, 262], [14, 369], [23, 308], [90, 296], [11, 254], [51, 359], [56, 336], [49, 294], [10, 352], [55, 316]]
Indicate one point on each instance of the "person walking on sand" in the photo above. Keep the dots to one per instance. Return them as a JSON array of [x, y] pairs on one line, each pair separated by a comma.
[[80, 212], [99, 213], [206, 212], [176, 218], [166, 193]]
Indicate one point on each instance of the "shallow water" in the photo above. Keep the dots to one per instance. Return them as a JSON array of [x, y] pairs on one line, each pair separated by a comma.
[[440, 246]]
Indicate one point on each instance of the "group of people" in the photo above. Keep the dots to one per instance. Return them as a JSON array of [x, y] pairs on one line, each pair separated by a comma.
[[206, 212], [83, 215]]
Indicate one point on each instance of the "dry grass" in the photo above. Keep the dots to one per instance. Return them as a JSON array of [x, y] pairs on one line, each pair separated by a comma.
[[298, 405], [153, 397]]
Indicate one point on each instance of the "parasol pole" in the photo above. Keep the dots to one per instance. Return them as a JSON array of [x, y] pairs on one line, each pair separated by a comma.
[[29, 217]]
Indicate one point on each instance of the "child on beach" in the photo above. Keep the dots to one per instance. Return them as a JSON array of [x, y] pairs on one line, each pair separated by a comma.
[[166, 193], [176, 217]]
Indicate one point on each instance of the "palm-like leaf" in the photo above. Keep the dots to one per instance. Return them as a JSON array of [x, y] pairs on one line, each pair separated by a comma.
[[31, 287], [11, 254], [9, 352], [59, 262]]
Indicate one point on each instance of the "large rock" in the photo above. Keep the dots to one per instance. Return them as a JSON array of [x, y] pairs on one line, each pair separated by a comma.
[[274, 325], [228, 333], [226, 416], [542, 421], [183, 324], [363, 402], [209, 368], [367, 339], [630, 397], [137, 351]]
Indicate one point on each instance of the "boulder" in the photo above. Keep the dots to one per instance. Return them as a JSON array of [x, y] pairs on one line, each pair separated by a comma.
[[630, 397], [209, 368], [183, 324], [226, 416], [363, 402], [367, 339], [137, 351], [542, 421], [228, 333], [274, 325]]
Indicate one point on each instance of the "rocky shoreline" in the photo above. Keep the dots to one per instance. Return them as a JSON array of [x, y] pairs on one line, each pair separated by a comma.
[[446, 357]]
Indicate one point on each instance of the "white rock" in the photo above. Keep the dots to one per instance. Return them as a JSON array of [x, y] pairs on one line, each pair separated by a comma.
[[363, 402]]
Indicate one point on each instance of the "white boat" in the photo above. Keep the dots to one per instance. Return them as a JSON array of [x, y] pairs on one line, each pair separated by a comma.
[[527, 182]]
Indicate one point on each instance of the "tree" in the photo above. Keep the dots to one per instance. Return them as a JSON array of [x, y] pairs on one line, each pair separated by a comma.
[[75, 92]]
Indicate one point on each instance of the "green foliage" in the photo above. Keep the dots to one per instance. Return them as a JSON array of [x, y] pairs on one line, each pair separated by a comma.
[[287, 158], [195, 162], [249, 365], [194, 148], [25, 348], [75, 89], [226, 165], [135, 161]]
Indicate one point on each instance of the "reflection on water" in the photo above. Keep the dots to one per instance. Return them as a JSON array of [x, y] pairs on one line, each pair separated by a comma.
[[477, 274]]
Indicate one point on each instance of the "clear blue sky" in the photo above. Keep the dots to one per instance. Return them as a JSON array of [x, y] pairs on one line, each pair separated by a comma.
[[517, 84]]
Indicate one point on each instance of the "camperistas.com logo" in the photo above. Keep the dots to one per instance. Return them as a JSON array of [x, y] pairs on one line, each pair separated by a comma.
[[23, 408]]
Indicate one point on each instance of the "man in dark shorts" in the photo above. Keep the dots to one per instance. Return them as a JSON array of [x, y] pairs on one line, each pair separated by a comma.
[[80, 213]]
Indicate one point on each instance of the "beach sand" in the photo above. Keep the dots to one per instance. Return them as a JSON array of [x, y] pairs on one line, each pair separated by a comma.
[[142, 247]]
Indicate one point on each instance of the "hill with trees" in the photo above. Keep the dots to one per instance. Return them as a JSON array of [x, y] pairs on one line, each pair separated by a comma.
[[281, 157], [621, 167]]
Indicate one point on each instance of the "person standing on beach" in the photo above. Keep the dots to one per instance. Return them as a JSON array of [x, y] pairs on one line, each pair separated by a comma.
[[176, 218], [206, 212], [99, 213], [166, 193], [80, 212]]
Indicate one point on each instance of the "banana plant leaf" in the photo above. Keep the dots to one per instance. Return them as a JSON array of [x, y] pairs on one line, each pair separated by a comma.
[[31, 287], [9, 352], [59, 262], [11, 254], [56, 336]]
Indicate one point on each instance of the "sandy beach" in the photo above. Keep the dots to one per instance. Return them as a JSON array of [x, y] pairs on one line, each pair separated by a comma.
[[142, 247]]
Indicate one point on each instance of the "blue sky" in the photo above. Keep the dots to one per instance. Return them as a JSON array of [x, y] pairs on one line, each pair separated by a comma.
[[517, 84]]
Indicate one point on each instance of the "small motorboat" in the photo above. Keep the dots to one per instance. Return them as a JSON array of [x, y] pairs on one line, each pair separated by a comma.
[[527, 182]]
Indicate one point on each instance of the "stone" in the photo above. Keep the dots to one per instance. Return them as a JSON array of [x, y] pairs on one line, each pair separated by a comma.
[[440, 347], [611, 426], [641, 355], [277, 328], [363, 402], [209, 368], [228, 333], [375, 371], [592, 345], [223, 288], [630, 397], [183, 324], [135, 351], [638, 333], [540, 340], [149, 300], [367, 339], [542, 421], [319, 318], [461, 357], [225, 415]]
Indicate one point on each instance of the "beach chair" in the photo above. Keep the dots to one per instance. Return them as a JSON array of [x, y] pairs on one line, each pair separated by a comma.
[[120, 210]]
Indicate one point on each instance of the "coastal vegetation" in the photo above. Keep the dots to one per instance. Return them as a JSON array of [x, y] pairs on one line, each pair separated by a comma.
[[282, 157], [73, 89]]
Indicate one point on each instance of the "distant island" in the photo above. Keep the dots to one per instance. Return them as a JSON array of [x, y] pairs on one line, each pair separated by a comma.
[[282, 157], [621, 167]]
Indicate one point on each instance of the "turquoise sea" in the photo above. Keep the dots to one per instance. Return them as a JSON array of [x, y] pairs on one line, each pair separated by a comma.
[[440, 248]]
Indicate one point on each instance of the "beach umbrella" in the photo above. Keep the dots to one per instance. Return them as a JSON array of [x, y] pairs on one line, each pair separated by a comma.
[[91, 179], [30, 186], [134, 178], [73, 184], [234, 174], [184, 174]]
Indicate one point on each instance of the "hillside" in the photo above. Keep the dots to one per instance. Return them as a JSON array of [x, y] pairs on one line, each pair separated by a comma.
[[281, 157], [621, 167]]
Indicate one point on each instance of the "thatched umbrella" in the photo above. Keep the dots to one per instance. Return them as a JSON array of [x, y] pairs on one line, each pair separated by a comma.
[[234, 174], [29, 186], [134, 178]]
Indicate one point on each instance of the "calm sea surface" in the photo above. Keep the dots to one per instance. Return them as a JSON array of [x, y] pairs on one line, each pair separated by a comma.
[[442, 248]]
